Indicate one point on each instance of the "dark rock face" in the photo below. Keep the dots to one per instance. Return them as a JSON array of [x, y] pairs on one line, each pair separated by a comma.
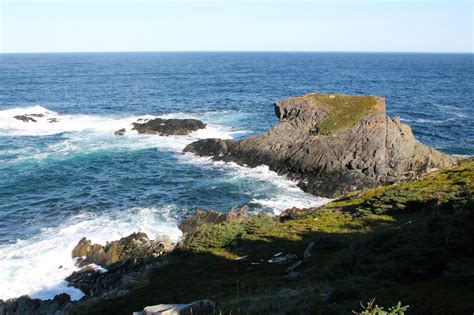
[[24, 305], [168, 127], [136, 246], [332, 144], [190, 225]]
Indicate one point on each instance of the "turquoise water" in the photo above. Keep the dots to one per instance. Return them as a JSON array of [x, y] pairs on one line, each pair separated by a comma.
[[74, 178]]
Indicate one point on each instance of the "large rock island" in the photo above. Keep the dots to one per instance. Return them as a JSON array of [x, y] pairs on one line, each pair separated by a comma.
[[332, 144]]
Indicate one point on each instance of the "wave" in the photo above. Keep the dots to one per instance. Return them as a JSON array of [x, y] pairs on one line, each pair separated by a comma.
[[270, 190], [39, 265], [88, 133]]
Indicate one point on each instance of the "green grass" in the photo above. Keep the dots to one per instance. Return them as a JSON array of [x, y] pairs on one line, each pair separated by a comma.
[[345, 111], [411, 242]]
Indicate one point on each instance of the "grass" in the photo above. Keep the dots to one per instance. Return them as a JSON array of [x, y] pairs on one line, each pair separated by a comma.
[[412, 242], [345, 111]]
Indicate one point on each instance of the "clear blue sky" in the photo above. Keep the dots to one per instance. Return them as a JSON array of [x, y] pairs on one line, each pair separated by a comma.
[[245, 25]]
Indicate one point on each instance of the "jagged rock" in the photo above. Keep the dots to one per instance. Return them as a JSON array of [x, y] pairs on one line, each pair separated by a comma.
[[24, 305], [332, 144], [119, 277], [120, 132], [190, 225], [136, 245], [197, 307], [52, 120], [168, 127]]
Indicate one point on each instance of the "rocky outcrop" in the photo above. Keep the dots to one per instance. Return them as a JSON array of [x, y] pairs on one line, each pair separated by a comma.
[[127, 262], [196, 307], [24, 305], [136, 246], [332, 144], [168, 127]]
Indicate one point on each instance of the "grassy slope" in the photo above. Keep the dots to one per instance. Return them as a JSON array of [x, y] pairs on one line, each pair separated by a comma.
[[411, 242]]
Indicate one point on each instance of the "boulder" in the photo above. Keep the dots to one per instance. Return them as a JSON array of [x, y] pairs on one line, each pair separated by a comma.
[[136, 245], [332, 144], [168, 127], [197, 307]]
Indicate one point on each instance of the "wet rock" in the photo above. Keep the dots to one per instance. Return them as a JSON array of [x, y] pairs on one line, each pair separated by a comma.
[[52, 120], [328, 151], [210, 147], [120, 132], [24, 305], [197, 307], [168, 127]]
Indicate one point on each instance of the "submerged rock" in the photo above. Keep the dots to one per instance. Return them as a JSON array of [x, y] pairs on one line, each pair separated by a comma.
[[332, 144], [168, 127]]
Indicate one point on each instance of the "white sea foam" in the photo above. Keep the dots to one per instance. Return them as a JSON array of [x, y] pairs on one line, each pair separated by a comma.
[[269, 189], [88, 133], [39, 265]]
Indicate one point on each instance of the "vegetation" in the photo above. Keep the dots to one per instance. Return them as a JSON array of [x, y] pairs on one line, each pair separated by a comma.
[[410, 242], [345, 111]]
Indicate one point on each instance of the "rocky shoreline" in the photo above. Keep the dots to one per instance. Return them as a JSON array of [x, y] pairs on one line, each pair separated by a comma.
[[332, 144]]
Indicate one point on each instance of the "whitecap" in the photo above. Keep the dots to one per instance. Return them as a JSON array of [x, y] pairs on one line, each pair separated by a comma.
[[38, 266]]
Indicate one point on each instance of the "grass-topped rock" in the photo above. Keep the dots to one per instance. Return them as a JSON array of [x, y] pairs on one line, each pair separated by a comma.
[[332, 144]]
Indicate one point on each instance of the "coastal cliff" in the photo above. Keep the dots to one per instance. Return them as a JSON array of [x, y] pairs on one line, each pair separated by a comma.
[[332, 144]]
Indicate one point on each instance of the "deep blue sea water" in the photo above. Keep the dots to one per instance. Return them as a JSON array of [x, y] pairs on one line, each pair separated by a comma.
[[74, 178]]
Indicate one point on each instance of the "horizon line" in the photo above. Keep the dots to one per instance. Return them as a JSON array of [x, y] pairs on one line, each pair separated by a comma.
[[237, 51]]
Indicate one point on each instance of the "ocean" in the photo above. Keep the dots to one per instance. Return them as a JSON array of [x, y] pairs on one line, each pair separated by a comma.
[[73, 178]]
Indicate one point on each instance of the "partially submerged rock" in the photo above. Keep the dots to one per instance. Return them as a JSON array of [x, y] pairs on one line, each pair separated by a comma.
[[28, 117], [332, 144], [120, 132], [196, 307], [168, 127], [136, 246]]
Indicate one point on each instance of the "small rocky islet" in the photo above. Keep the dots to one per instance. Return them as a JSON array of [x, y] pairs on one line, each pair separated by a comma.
[[399, 228]]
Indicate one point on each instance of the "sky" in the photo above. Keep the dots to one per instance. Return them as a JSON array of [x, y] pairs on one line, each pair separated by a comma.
[[233, 25]]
